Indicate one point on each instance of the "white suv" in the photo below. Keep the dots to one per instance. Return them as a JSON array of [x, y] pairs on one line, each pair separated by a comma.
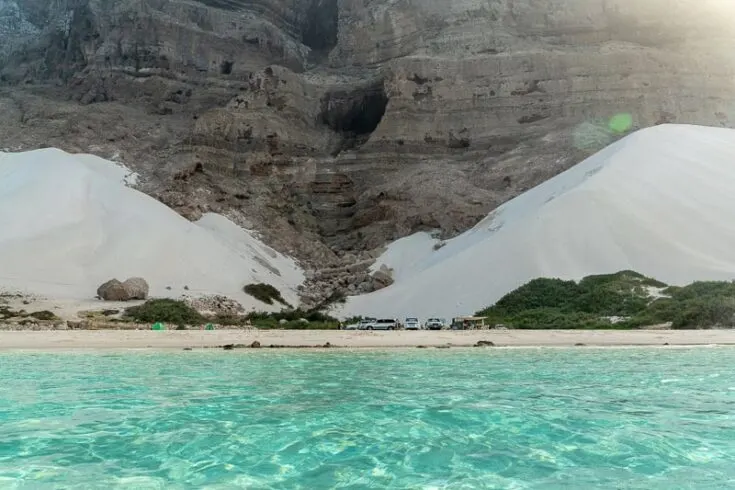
[[383, 324], [436, 323], [361, 324], [413, 324]]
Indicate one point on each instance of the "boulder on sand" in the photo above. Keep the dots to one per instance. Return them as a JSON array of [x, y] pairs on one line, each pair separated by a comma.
[[382, 278], [114, 290], [136, 288]]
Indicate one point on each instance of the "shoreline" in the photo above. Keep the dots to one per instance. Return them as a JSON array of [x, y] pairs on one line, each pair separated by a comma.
[[65, 340]]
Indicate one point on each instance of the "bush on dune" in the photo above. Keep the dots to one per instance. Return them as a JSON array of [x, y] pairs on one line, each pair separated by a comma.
[[164, 310], [179, 313], [539, 293], [620, 300], [553, 318], [706, 313], [295, 319], [265, 293]]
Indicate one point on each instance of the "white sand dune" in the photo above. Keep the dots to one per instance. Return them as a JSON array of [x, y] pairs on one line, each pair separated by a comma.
[[660, 201], [69, 223]]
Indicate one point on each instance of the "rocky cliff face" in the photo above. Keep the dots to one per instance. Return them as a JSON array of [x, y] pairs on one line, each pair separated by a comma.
[[333, 127]]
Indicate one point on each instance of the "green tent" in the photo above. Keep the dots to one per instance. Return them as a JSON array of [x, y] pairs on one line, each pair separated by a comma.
[[158, 326]]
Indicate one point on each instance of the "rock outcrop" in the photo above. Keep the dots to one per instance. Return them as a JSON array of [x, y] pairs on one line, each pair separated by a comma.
[[136, 288], [382, 278], [131, 289], [215, 305], [112, 290], [333, 127]]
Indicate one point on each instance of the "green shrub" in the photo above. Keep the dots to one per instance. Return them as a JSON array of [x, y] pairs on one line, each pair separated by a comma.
[[43, 315], [295, 325], [297, 319], [228, 320], [607, 301], [706, 313], [265, 293], [554, 318], [291, 315], [556, 303], [661, 310], [702, 289], [538, 293], [6, 312], [353, 319], [164, 310], [626, 279], [623, 293]]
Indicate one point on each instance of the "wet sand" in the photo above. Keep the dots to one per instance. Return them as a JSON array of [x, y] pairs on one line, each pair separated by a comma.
[[142, 339]]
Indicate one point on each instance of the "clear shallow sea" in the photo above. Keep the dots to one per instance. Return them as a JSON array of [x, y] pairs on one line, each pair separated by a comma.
[[414, 419]]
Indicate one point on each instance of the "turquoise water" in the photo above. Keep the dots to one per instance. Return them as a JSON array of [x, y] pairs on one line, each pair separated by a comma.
[[431, 419]]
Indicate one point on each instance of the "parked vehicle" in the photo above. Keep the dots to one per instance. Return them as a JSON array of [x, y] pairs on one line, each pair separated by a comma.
[[383, 324], [361, 324], [412, 324], [468, 323], [436, 323]]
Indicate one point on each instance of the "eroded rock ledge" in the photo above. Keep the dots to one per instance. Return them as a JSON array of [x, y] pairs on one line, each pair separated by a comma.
[[333, 127]]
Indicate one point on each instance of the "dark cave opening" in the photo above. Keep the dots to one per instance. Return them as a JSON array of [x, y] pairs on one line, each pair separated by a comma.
[[354, 114], [226, 67], [319, 31]]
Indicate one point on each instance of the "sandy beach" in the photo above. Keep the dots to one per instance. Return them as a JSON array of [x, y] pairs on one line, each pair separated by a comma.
[[142, 339]]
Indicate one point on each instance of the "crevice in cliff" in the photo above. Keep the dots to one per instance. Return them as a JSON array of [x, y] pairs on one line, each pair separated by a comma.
[[64, 54], [319, 31], [354, 114]]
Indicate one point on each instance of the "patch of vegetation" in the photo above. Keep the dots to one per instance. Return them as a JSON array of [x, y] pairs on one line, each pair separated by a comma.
[[552, 318], [353, 319], [625, 299], [43, 315], [703, 304], [102, 315], [166, 311], [181, 314], [265, 293], [297, 319], [228, 320], [7, 313], [537, 294]]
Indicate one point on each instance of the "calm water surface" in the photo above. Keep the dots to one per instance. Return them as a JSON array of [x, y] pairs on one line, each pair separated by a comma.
[[458, 419]]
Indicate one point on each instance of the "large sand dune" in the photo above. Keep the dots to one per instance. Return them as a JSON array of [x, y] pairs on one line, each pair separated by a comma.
[[69, 223], [660, 201]]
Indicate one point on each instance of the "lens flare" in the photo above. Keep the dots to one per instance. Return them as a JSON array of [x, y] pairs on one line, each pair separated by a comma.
[[620, 123]]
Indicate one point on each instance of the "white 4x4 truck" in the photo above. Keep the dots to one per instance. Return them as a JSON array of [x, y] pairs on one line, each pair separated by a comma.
[[412, 324], [361, 325], [383, 324], [436, 323]]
